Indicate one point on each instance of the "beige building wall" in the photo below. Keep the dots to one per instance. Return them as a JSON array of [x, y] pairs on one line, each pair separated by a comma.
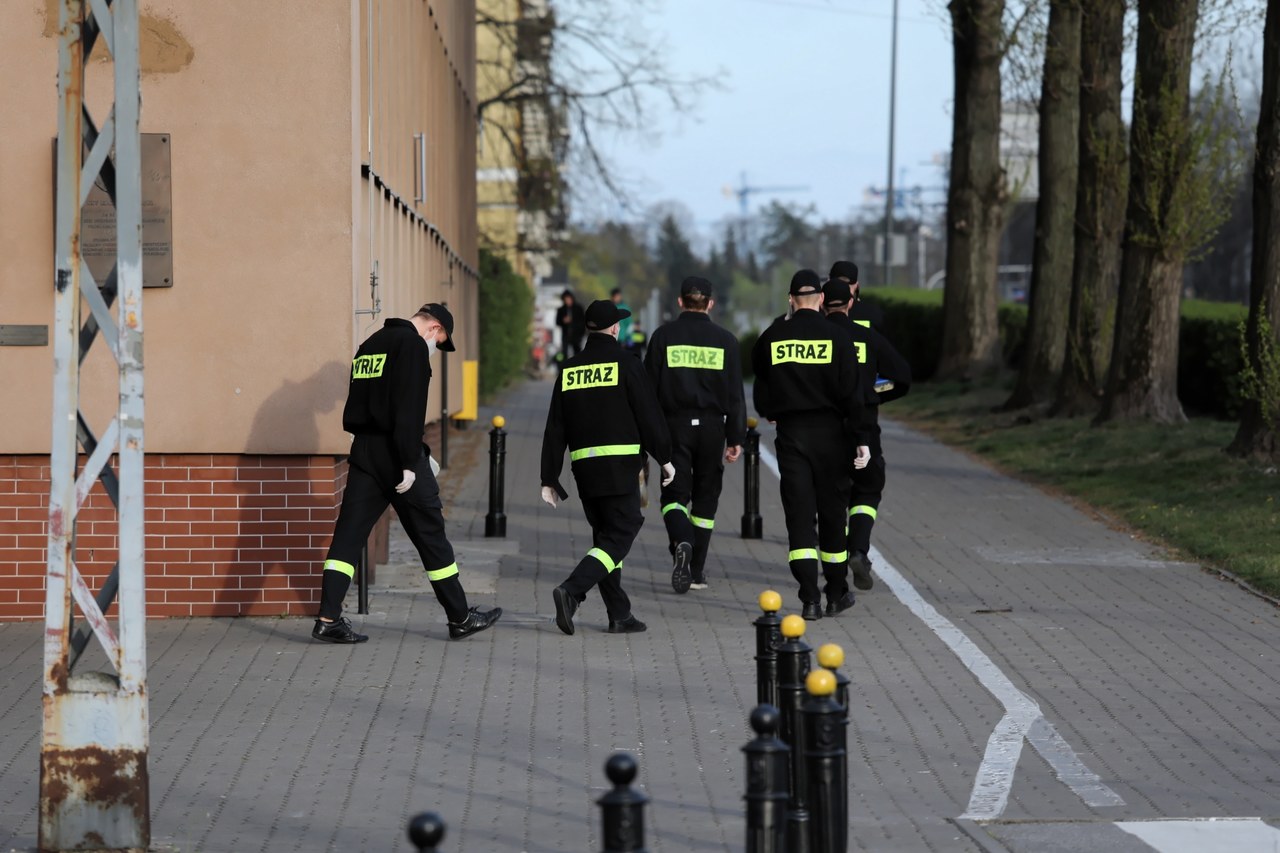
[[496, 165]]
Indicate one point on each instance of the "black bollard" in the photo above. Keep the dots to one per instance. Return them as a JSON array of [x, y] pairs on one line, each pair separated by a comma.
[[831, 656], [752, 524], [793, 666], [495, 522], [826, 761], [622, 809], [767, 768], [768, 636], [426, 831]]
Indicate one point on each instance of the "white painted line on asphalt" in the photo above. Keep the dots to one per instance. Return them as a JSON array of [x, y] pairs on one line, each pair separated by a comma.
[[1022, 720], [1195, 835]]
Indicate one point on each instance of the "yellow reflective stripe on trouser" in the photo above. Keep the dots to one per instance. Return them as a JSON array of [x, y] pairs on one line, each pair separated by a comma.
[[605, 559], [704, 523], [604, 450], [440, 574], [673, 507], [803, 554], [833, 556], [863, 510], [339, 566]]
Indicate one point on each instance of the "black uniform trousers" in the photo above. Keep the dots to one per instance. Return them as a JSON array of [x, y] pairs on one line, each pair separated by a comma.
[[814, 460], [615, 520], [372, 476], [864, 498], [690, 501]]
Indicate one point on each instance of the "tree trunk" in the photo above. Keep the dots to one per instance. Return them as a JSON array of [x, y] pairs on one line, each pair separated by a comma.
[[976, 195], [1099, 217], [1055, 209], [1258, 436], [1143, 382]]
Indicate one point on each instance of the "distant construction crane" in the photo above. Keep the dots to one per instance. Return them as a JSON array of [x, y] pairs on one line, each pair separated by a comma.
[[744, 191]]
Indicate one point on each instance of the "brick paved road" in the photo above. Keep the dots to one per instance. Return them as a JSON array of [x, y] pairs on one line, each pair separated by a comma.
[[1039, 641]]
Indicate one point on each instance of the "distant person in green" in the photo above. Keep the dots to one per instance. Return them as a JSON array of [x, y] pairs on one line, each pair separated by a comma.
[[624, 326]]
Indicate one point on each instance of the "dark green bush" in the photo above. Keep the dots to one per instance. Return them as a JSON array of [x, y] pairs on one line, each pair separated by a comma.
[[506, 314], [746, 343]]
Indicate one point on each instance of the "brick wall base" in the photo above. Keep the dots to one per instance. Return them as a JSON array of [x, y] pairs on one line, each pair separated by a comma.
[[226, 535]]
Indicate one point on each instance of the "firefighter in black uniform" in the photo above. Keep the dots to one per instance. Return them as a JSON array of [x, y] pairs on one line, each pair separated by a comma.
[[694, 365], [389, 464], [883, 369], [807, 382], [603, 411], [866, 314]]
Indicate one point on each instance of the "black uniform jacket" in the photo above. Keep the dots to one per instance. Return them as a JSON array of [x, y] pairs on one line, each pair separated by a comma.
[[695, 367], [805, 367], [390, 376], [604, 412], [877, 358], [868, 315]]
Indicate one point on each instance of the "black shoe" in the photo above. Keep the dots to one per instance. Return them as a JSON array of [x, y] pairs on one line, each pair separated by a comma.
[[699, 581], [477, 620], [630, 625], [680, 575], [840, 604], [566, 604], [812, 611], [336, 632], [860, 566]]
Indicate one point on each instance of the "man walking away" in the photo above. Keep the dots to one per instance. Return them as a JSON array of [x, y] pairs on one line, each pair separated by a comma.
[[569, 319], [386, 411], [603, 411], [865, 314], [694, 366]]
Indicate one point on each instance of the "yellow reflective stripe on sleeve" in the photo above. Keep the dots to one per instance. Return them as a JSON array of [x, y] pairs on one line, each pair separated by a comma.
[[440, 574], [863, 510], [833, 556], [604, 450], [704, 523], [803, 554], [605, 559], [339, 566], [866, 323], [673, 507], [801, 352], [708, 358]]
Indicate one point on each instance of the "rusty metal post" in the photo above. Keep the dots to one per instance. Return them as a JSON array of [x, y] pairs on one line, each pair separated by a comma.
[[94, 790]]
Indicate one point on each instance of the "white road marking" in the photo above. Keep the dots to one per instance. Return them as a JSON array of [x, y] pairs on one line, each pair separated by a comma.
[[1023, 719], [1199, 834]]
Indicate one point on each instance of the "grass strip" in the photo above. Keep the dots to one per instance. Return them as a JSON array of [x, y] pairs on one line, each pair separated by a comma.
[[1173, 484]]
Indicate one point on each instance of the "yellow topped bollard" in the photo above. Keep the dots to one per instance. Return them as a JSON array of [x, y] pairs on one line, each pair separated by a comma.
[[767, 639], [830, 656], [770, 601], [792, 627], [498, 422], [820, 682], [495, 521], [752, 423]]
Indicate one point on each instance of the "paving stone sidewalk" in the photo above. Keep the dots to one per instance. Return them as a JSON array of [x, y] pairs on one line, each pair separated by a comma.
[[1160, 678]]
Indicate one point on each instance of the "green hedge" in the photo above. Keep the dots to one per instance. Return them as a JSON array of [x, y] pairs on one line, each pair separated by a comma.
[[506, 315], [1208, 343]]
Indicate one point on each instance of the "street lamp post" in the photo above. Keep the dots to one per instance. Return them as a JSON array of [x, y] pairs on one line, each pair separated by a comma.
[[888, 199]]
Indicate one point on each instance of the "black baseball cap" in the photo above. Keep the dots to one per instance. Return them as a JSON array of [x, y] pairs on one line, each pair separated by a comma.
[[845, 269], [695, 285], [805, 283], [836, 293], [441, 313], [603, 313]]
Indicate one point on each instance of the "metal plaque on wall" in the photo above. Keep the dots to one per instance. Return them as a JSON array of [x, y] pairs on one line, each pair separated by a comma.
[[98, 219]]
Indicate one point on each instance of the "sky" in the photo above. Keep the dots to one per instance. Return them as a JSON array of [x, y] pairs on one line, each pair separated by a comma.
[[804, 102]]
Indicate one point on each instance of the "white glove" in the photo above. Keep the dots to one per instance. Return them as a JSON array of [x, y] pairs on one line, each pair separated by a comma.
[[668, 474], [550, 497], [407, 483], [863, 458], [435, 466]]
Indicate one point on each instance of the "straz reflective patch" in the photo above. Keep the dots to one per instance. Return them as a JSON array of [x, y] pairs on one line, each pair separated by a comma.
[[802, 352], [862, 351], [368, 366], [589, 376], [709, 358]]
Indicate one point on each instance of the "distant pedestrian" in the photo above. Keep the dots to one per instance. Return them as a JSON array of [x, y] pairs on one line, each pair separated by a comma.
[[603, 411], [569, 319], [624, 325], [807, 382], [863, 313], [694, 365], [386, 411], [884, 376]]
